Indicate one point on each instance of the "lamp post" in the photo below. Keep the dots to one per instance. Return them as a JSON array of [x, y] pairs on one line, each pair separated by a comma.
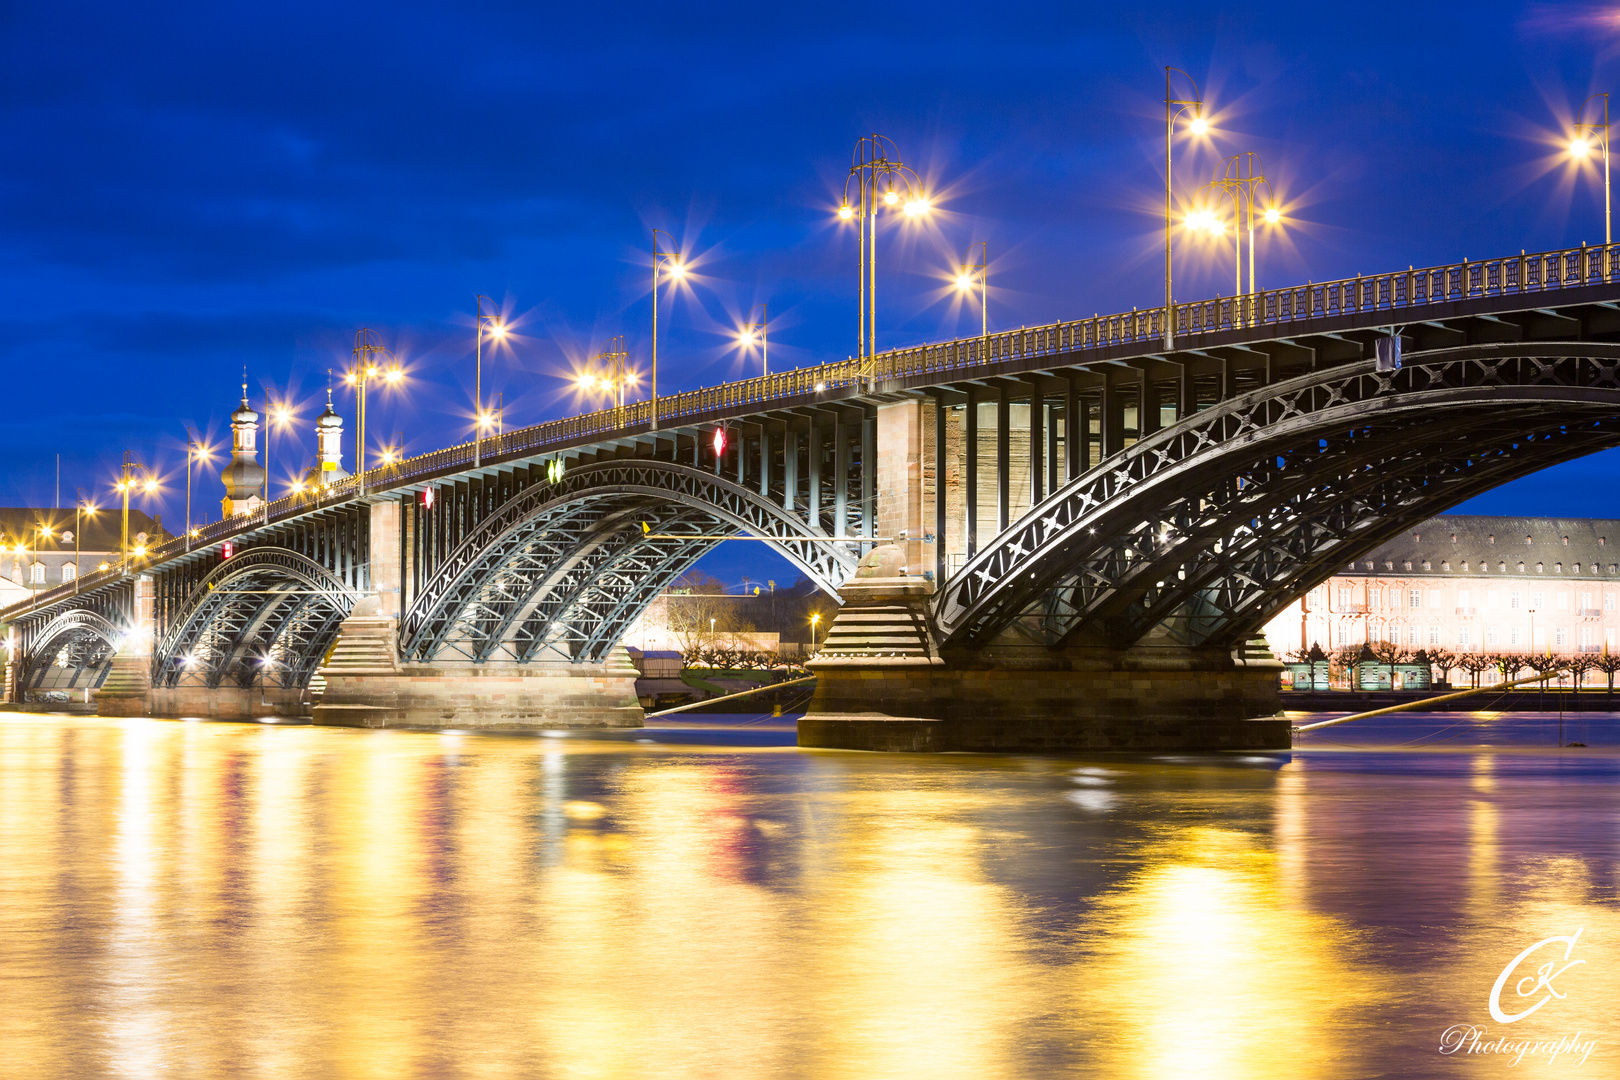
[[1581, 145], [491, 323], [872, 166], [759, 332], [275, 416], [1174, 107], [367, 352], [1241, 177], [666, 264], [127, 483], [815, 617], [612, 374], [197, 451], [80, 509]]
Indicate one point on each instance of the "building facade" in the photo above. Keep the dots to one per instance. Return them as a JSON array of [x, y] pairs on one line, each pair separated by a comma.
[[41, 548], [1470, 584]]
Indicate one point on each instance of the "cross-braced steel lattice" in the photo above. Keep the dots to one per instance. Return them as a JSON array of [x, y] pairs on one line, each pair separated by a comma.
[[1208, 528], [267, 614], [562, 570], [71, 651]]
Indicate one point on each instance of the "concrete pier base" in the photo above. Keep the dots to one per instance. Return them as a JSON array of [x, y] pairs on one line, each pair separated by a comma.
[[883, 685], [128, 685], [366, 686]]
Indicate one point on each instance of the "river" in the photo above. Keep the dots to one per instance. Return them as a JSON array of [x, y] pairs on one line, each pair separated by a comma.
[[188, 899]]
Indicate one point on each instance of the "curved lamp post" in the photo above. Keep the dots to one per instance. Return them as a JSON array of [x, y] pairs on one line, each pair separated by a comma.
[[369, 356]]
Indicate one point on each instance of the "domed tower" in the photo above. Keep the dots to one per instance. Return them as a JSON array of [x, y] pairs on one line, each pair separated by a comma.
[[244, 478], [329, 447]]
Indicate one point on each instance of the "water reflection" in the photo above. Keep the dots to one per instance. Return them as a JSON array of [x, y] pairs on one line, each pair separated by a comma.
[[214, 899]]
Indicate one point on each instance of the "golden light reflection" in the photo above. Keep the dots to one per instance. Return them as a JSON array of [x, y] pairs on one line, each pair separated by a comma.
[[1201, 969]]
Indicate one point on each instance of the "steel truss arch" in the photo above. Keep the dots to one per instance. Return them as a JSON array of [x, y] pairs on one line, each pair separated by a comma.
[[79, 638], [1206, 528], [564, 568], [269, 604]]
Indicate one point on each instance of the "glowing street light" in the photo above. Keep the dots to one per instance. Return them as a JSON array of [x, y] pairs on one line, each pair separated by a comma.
[[127, 483], [367, 352], [1174, 107], [1580, 148], [666, 265], [488, 323], [277, 416], [977, 273], [758, 333], [196, 451], [1240, 179], [873, 165]]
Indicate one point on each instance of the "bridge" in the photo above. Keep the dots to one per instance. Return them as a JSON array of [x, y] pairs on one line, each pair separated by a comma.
[[1059, 536]]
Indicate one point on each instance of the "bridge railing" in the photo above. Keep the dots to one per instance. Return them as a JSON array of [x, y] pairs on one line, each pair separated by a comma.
[[1543, 272]]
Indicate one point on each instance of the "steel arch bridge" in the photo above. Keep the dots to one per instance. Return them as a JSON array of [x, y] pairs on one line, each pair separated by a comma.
[[561, 571], [1150, 475], [78, 644], [1205, 530], [269, 613]]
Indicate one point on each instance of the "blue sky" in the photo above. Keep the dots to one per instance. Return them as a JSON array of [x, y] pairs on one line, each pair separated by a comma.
[[188, 189]]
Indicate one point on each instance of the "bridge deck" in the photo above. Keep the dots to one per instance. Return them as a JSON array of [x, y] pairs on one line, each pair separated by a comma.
[[1568, 294]]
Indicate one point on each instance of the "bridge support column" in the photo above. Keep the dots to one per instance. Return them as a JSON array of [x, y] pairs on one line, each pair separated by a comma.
[[368, 686], [900, 480], [13, 643], [882, 685], [127, 689]]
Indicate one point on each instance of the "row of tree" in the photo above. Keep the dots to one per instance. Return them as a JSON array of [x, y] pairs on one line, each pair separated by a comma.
[[1346, 661]]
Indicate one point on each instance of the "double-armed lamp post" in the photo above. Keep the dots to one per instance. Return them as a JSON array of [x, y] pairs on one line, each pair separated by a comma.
[[488, 322], [1240, 179], [876, 178], [127, 483], [369, 359], [976, 273]]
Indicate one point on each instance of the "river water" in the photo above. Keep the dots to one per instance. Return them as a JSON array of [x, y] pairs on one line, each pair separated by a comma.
[[189, 899]]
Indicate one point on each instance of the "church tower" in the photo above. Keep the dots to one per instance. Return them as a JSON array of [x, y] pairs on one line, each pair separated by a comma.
[[329, 448], [244, 479]]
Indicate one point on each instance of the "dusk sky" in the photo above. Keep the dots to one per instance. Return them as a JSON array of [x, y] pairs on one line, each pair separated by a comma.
[[189, 189]]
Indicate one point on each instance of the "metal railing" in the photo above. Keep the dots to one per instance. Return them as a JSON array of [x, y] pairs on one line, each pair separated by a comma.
[[1381, 293]]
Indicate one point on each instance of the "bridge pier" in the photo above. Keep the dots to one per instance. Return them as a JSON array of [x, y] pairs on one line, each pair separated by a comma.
[[367, 686], [127, 688], [883, 685]]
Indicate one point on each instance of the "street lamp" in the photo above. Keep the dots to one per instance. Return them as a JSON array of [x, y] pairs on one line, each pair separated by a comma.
[[196, 451], [978, 273], [491, 323], [612, 374], [1581, 146], [126, 484], [815, 617], [79, 511], [668, 264], [1174, 107], [1240, 179], [758, 333], [367, 354], [872, 167], [275, 416]]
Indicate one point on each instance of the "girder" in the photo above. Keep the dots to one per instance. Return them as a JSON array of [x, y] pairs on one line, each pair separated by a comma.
[[564, 568], [1206, 528], [267, 604], [68, 647]]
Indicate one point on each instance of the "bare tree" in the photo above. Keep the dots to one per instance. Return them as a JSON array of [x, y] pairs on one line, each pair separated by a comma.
[[1476, 664], [1390, 653], [1442, 661], [1579, 664], [1608, 663]]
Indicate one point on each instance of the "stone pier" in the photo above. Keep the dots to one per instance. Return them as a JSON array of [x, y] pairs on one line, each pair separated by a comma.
[[366, 684], [127, 688], [883, 685]]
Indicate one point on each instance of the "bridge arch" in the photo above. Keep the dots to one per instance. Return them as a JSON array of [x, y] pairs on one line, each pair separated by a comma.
[[1203, 531], [79, 643], [562, 570], [265, 604]]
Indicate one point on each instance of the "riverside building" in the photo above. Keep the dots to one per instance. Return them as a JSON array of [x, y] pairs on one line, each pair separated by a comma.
[[1470, 584]]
